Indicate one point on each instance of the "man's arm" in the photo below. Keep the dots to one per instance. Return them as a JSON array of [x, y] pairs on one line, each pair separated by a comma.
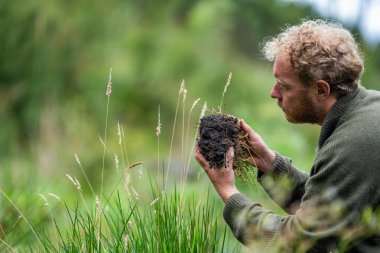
[[331, 205], [283, 182], [321, 215]]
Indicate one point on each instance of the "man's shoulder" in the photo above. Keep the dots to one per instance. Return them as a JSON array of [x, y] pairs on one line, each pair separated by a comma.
[[368, 97], [358, 128], [364, 113]]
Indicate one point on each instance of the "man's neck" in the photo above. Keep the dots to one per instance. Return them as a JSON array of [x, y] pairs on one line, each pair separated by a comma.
[[326, 107]]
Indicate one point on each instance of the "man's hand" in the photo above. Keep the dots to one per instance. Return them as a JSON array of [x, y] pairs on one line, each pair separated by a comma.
[[223, 179], [262, 157]]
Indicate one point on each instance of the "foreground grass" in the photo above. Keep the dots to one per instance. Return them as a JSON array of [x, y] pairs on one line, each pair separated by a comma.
[[152, 218], [169, 223]]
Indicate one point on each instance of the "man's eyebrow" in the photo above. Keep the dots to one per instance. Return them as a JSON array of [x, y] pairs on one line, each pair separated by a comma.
[[280, 80]]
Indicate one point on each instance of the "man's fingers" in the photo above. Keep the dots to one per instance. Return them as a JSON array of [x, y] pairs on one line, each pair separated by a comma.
[[200, 158], [252, 144], [230, 154], [247, 128]]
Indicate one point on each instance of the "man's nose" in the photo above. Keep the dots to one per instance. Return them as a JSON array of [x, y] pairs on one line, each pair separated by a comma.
[[275, 93]]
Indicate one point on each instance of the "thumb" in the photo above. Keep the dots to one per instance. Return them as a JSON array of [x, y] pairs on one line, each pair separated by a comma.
[[230, 152], [230, 157], [246, 128]]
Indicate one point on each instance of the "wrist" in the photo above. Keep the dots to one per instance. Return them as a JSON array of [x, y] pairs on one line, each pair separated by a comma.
[[268, 162], [227, 193]]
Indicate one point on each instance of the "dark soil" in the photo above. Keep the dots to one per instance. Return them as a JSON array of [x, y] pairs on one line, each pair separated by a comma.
[[219, 132]]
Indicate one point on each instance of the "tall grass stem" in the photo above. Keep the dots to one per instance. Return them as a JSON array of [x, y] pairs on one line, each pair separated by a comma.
[[158, 133], [173, 131], [23, 217], [224, 91], [84, 174]]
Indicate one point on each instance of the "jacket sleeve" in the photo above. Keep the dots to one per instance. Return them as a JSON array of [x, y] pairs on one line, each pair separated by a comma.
[[284, 183]]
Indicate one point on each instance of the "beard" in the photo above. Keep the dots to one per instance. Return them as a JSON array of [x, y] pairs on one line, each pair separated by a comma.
[[304, 111]]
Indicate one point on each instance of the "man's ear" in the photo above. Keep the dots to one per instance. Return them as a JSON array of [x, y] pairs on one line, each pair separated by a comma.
[[323, 89]]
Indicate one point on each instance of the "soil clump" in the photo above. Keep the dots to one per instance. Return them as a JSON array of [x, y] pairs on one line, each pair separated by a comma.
[[219, 132]]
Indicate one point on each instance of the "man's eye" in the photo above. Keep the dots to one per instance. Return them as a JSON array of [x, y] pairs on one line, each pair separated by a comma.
[[283, 86]]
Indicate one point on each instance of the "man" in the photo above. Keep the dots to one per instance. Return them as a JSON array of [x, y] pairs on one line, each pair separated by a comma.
[[317, 67]]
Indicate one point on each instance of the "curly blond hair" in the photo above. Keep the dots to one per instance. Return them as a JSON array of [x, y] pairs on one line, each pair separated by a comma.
[[320, 50]]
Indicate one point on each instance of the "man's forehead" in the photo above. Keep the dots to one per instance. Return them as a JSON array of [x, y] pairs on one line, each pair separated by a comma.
[[281, 65]]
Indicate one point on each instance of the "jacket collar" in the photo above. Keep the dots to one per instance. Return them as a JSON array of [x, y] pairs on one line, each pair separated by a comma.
[[335, 113]]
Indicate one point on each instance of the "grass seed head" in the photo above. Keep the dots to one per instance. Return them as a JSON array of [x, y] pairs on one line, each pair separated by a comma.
[[116, 162], [228, 83], [182, 86], [98, 205], [127, 179], [109, 85], [204, 108], [158, 128], [136, 195], [54, 196], [126, 241], [77, 160], [44, 198], [75, 182], [194, 104], [119, 133], [154, 202]]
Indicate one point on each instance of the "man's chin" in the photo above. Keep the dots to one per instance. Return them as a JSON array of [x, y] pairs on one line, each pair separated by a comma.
[[287, 116], [291, 119], [300, 120]]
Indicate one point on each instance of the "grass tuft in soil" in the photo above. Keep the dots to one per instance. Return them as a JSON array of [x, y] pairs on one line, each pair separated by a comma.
[[219, 132]]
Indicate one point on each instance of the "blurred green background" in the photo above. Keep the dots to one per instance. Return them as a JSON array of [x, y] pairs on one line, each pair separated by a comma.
[[55, 59]]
